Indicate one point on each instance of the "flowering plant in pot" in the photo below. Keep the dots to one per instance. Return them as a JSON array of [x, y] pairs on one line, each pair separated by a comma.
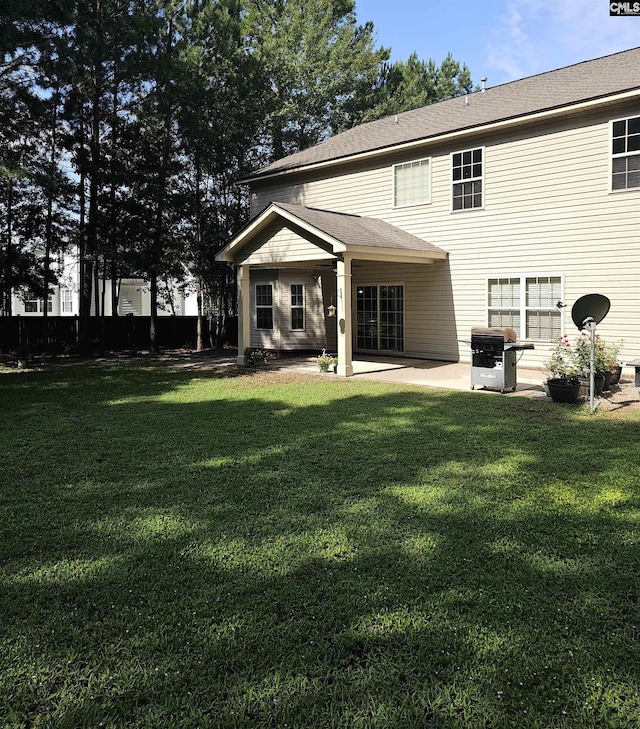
[[325, 361], [612, 361], [563, 385]]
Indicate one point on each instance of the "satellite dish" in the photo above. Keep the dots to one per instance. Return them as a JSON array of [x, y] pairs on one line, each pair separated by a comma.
[[590, 308]]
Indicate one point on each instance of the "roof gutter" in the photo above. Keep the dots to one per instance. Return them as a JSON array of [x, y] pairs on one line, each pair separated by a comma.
[[491, 126]]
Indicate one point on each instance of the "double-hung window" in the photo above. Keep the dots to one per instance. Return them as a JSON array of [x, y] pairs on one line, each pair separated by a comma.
[[625, 148], [67, 301], [264, 306], [297, 307], [467, 174], [412, 183], [526, 304]]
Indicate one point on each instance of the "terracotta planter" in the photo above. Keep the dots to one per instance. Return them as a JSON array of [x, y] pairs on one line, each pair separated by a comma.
[[563, 390]]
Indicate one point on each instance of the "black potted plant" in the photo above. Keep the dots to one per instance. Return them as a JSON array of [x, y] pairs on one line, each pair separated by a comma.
[[582, 353], [563, 385]]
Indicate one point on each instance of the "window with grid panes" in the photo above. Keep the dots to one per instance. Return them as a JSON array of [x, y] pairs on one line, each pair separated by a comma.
[[297, 307], [504, 303], [412, 183], [264, 306], [542, 315], [528, 300], [466, 171], [625, 165], [67, 301]]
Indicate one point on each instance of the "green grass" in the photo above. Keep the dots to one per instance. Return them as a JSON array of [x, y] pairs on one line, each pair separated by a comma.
[[204, 550]]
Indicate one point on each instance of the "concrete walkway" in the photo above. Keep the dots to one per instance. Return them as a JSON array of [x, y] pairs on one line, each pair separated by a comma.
[[426, 373]]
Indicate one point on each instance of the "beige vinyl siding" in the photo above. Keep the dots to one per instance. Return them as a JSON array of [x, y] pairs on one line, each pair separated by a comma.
[[316, 334], [131, 300], [548, 210], [265, 338], [280, 244]]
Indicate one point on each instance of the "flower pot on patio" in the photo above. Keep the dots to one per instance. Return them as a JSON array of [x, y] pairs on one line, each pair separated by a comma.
[[608, 376], [563, 390], [598, 385], [616, 374]]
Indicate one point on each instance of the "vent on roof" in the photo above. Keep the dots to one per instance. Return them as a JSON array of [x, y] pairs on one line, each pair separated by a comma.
[[484, 83]]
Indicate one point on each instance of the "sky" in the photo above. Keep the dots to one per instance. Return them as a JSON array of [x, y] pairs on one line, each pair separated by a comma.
[[503, 40]]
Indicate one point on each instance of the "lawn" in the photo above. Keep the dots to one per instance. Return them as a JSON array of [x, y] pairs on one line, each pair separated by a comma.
[[199, 549]]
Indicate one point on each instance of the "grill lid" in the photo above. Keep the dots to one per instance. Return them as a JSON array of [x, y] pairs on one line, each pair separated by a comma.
[[507, 334]]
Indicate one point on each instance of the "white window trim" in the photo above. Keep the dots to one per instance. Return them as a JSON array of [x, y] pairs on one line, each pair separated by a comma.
[[63, 301], [613, 156], [262, 306], [523, 299], [393, 183], [303, 307], [471, 179]]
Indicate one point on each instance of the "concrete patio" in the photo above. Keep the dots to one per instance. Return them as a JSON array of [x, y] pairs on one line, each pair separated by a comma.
[[426, 373]]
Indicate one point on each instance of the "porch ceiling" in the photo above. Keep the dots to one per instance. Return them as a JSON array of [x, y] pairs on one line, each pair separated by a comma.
[[328, 235]]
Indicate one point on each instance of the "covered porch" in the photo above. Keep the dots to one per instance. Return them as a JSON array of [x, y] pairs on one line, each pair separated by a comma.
[[323, 243]]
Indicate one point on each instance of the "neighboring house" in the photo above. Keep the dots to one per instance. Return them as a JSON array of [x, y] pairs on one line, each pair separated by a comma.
[[483, 210], [133, 295]]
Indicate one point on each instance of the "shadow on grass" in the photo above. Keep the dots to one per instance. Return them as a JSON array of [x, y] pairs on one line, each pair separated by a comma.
[[267, 551]]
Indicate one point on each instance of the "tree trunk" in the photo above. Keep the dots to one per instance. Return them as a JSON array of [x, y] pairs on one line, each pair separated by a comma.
[[8, 276], [84, 263], [199, 338], [48, 242], [115, 289], [153, 334]]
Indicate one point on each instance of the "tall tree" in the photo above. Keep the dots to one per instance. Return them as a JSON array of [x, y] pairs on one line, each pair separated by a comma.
[[318, 59], [410, 84]]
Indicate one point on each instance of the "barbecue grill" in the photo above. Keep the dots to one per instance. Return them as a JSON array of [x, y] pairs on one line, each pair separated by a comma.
[[494, 358]]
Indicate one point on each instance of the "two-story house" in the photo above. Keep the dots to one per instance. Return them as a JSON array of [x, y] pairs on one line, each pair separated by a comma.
[[483, 210]]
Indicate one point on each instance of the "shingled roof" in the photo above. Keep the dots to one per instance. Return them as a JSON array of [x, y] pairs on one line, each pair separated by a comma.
[[346, 230], [355, 230], [553, 90]]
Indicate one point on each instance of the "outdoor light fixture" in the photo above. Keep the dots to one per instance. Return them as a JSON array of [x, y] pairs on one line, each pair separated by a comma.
[[331, 309]]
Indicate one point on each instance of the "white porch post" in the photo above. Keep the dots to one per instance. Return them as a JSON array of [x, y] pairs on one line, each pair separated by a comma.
[[345, 341], [244, 312]]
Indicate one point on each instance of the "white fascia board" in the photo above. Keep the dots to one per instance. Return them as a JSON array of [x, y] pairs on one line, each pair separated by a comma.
[[448, 136], [395, 255]]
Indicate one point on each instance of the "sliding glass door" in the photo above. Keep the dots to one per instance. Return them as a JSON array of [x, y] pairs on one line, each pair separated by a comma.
[[380, 318]]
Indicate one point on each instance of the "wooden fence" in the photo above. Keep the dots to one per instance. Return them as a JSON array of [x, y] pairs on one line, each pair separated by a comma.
[[60, 333]]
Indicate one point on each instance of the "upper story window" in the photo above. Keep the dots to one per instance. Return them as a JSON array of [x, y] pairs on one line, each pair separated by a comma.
[[412, 183], [297, 307], [529, 300], [67, 301], [466, 173], [625, 149], [264, 306]]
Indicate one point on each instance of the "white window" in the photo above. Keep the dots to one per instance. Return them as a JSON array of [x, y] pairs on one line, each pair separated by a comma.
[[526, 304], [412, 183], [625, 148], [467, 174], [35, 306], [67, 301], [264, 306], [297, 307]]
